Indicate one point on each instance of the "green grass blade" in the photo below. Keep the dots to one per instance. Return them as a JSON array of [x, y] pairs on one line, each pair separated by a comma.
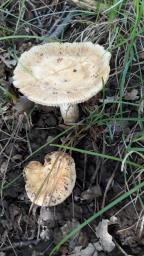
[[92, 153], [21, 13], [4, 38]]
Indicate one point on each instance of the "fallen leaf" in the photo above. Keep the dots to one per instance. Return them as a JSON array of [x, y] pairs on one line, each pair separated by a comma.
[[110, 99], [133, 95], [6, 59], [105, 239], [91, 193], [90, 250]]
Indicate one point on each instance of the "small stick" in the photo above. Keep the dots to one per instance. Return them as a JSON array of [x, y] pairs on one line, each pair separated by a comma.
[[35, 12], [121, 249], [56, 23], [20, 244], [62, 26], [55, 33]]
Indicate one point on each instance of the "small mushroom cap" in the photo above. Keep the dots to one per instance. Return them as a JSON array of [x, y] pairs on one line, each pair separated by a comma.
[[62, 73], [50, 184]]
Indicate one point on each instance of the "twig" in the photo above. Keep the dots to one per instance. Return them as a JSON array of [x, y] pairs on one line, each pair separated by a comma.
[[108, 185], [35, 12], [61, 27], [20, 244], [53, 28], [11, 245], [121, 249]]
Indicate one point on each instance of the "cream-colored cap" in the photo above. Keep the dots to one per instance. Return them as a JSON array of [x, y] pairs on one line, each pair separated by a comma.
[[62, 73], [50, 184], [87, 4]]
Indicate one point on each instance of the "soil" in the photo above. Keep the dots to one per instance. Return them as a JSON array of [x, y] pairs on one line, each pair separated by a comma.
[[22, 138]]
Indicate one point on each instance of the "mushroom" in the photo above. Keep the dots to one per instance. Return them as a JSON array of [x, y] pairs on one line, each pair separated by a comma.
[[50, 184], [91, 5], [62, 74], [88, 4]]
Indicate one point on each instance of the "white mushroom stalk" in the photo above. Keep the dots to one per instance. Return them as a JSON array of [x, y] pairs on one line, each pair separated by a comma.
[[70, 113], [62, 75]]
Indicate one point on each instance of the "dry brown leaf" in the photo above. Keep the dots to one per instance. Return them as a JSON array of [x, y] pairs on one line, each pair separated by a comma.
[[90, 250], [132, 95], [6, 59], [105, 239], [91, 193]]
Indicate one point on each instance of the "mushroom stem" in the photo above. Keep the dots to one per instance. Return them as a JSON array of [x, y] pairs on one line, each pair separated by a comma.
[[70, 113]]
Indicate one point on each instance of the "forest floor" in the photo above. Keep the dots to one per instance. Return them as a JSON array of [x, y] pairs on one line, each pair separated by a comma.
[[107, 145]]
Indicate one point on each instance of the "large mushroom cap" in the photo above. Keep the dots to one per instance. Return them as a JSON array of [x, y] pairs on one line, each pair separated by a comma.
[[62, 73], [50, 184]]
